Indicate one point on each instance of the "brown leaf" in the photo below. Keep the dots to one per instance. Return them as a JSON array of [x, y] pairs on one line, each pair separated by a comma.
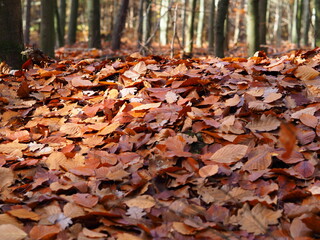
[[306, 73], [24, 90], [288, 138], [24, 214], [144, 201], [42, 232], [230, 153], [208, 170], [85, 199], [309, 120], [6, 177], [12, 232], [265, 123]]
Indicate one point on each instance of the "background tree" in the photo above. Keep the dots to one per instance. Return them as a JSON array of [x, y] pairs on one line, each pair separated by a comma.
[[263, 4], [306, 21], [190, 28], [27, 22], [211, 27], [317, 22], [277, 25], [119, 25], [72, 27], [201, 17], [11, 39], [47, 35], [164, 19], [296, 23], [94, 23], [220, 26], [61, 20], [253, 26]]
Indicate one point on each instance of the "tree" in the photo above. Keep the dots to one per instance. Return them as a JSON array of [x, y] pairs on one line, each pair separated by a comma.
[[263, 7], [119, 25], [211, 27], [164, 18], [11, 38], [27, 22], [61, 20], [317, 22], [200, 23], [94, 23], [188, 48], [306, 21], [47, 35], [72, 27], [296, 23], [219, 27], [277, 25], [253, 26]]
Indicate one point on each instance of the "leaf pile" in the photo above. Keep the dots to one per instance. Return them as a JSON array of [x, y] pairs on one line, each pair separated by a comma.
[[159, 148]]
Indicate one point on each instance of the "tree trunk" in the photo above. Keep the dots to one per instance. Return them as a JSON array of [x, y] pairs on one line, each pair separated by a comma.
[[119, 25], [317, 22], [238, 21], [263, 4], [184, 21], [47, 34], [296, 24], [200, 23], [27, 22], [72, 27], [62, 21], [253, 27], [94, 23], [146, 27], [219, 27], [140, 24], [306, 22], [190, 28], [277, 25], [164, 18], [211, 27], [11, 38]]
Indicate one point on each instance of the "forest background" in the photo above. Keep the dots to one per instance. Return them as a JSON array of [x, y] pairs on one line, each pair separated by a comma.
[[172, 27]]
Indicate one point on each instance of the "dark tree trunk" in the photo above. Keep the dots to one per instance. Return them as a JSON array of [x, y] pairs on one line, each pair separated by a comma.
[[119, 25], [47, 35], [263, 23], [222, 13], [317, 23], [11, 37], [72, 28], [94, 24], [27, 21], [62, 21], [189, 31]]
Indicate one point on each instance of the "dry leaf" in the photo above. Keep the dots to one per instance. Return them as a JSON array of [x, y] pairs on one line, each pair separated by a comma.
[[306, 73], [265, 123], [24, 214], [208, 170], [143, 202], [230, 153], [12, 232]]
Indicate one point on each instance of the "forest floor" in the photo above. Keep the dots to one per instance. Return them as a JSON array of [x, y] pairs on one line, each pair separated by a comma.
[[160, 148]]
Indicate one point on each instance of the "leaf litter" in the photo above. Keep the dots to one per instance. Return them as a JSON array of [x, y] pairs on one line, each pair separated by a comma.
[[153, 147]]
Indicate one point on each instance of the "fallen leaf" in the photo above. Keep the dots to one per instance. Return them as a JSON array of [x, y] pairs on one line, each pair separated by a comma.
[[12, 232], [230, 153]]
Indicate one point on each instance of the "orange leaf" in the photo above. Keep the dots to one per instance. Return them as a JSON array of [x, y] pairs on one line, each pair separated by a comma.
[[42, 232], [85, 199], [208, 170], [309, 120], [288, 138], [24, 214], [306, 73]]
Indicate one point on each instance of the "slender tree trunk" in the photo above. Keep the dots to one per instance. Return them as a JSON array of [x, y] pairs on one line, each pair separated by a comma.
[[238, 22], [184, 21], [146, 32], [200, 23], [296, 24], [47, 33], [211, 27], [263, 4], [306, 22], [94, 23], [72, 28], [11, 39], [27, 22], [164, 18], [190, 28], [277, 25], [317, 22], [253, 26], [62, 21], [140, 23], [219, 27], [119, 25]]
